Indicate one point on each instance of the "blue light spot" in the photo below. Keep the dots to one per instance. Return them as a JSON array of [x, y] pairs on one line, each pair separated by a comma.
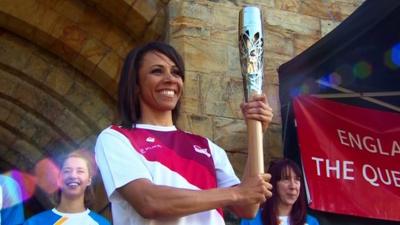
[[294, 92], [396, 54]]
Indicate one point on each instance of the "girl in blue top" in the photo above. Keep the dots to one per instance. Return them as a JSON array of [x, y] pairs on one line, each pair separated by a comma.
[[287, 206], [74, 196]]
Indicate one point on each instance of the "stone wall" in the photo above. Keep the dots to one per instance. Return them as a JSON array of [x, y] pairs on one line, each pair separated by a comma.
[[205, 32]]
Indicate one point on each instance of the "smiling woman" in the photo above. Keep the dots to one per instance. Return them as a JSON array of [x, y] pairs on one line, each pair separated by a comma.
[[155, 173], [288, 203], [75, 194]]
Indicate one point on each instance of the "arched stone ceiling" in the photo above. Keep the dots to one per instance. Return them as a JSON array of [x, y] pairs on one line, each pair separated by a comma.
[[59, 67], [93, 36], [47, 107]]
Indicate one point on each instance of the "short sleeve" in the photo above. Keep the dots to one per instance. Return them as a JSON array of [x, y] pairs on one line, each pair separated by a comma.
[[255, 221], [311, 220], [226, 176], [118, 162], [12, 210]]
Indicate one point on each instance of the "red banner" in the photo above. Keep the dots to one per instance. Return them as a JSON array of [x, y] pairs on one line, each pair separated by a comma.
[[351, 158]]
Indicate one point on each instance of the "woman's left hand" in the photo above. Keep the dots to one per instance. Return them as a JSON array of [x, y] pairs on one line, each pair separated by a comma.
[[257, 108]]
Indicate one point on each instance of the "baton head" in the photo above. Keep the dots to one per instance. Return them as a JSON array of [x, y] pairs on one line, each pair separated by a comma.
[[251, 50]]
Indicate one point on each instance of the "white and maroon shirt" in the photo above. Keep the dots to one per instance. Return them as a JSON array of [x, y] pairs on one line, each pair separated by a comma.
[[165, 156]]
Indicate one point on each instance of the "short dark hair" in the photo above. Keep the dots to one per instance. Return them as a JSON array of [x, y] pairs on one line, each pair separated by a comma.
[[278, 170], [128, 99]]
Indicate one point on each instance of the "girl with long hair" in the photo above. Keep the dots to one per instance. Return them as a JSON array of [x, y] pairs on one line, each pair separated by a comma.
[[75, 194]]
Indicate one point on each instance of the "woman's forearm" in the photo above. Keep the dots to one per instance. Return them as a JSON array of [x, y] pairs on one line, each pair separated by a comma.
[[157, 201]]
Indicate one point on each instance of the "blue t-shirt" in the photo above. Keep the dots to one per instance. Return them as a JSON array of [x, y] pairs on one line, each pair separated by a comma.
[[310, 220], [11, 205], [52, 217]]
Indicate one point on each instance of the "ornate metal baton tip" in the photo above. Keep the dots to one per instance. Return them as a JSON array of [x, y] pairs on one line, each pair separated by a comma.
[[251, 50]]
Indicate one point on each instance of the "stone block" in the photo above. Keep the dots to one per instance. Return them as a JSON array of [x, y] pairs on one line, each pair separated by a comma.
[[278, 42], [73, 37], [261, 4], [238, 162], [157, 29], [7, 137], [63, 51], [23, 11], [187, 27], [135, 23], [224, 16], [328, 10], [73, 10], [84, 66], [16, 159], [302, 42], [148, 9], [221, 95], [118, 40], [191, 93], [60, 24], [13, 52], [38, 67], [42, 137], [73, 126], [93, 23], [234, 67], [8, 84], [45, 20], [20, 27], [227, 35], [111, 64], [4, 110], [93, 51], [204, 56], [288, 5], [59, 81], [27, 124], [30, 152], [49, 3], [272, 92], [77, 93], [194, 10], [28, 96], [93, 107], [272, 62], [199, 124], [43, 39], [230, 134], [105, 81], [302, 24]]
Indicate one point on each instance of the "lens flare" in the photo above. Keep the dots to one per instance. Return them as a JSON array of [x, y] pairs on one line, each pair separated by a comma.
[[392, 57], [46, 173], [396, 55], [303, 89], [24, 182], [294, 92], [362, 70], [329, 80], [335, 79]]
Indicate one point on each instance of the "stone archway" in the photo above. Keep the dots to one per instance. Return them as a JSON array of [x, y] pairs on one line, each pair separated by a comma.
[[59, 67]]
